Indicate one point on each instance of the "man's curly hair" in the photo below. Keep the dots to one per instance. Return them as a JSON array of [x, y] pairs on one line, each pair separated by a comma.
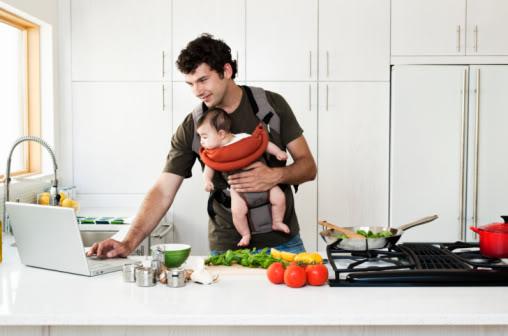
[[206, 49]]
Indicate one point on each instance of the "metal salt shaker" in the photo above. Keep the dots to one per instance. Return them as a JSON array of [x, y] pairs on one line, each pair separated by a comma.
[[129, 272], [145, 277], [156, 261], [176, 277]]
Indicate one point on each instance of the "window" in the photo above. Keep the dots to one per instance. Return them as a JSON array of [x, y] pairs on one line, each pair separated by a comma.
[[19, 93]]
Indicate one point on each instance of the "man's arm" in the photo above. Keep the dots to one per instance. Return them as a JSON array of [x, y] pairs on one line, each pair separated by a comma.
[[262, 178], [156, 203]]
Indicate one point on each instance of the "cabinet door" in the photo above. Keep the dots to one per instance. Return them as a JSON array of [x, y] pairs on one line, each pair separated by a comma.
[[426, 144], [487, 27], [225, 19], [428, 27], [353, 153], [120, 136], [281, 40], [302, 97], [354, 40], [189, 206], [120, 40], [489, 179]]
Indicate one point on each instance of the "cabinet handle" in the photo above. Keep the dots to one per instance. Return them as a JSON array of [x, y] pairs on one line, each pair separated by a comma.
[[475, 38], [327, 97], [310, 97], [310, 63], [458, 38], [465, 88], [476, 149], [163, 64], [327, 64], [163, 98]]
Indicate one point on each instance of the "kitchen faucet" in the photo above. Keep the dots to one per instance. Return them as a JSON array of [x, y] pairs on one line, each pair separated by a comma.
[[54, 196]]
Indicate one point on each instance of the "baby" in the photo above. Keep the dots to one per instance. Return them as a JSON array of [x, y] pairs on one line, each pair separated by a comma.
[[214, 131]]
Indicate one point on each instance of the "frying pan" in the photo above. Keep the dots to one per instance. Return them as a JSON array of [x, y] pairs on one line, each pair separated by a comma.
[[351, 243]]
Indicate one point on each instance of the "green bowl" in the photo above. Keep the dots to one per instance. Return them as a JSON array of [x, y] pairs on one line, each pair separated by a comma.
[[174, 254]]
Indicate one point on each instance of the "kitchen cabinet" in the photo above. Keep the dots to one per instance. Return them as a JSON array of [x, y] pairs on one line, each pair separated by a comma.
[[354, 40], [353, 146], [487, 180], [449, 27], [428, 27], [121, 134], [487, 27], [427, 147], [447, 150], [117, 40], [281, 40], [302, 97], [224, 19]]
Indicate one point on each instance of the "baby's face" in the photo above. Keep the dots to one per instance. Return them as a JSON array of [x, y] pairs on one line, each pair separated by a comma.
[[209, 137]]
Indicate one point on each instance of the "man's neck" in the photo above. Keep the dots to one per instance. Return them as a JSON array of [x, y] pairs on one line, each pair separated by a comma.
[[232, 98]]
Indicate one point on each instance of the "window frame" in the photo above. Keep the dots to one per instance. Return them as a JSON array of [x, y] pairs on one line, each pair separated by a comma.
[[32, 96]]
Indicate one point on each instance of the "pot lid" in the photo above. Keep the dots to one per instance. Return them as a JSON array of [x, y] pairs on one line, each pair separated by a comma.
[[495, 227]]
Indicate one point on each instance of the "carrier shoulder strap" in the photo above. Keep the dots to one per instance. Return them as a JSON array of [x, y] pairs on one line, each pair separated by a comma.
[[260, 106]]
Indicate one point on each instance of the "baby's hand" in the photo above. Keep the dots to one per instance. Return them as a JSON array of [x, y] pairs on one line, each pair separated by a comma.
[[282, 156], [208, 186]]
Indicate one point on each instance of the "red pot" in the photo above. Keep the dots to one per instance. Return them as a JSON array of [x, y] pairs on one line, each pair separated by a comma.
[[493, 239]]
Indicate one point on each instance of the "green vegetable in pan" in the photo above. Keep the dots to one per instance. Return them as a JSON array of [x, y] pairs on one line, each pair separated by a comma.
[[369, 234]]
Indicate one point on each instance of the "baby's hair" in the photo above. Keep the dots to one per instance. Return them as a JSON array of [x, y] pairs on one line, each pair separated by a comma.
[[218, 119]]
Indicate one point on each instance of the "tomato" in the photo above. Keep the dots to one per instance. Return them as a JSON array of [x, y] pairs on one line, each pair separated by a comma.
[[317, 275], [275, 273], [294, 276]]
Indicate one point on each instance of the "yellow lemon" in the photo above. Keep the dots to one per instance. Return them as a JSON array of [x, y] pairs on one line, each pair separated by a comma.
[[275, 253], [63, 196], [316, 257], [304, 257], [43, 199], [69, 203], [287, 256]]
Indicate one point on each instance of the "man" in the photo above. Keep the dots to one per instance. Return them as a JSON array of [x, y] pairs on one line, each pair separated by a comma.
[[210, 71]]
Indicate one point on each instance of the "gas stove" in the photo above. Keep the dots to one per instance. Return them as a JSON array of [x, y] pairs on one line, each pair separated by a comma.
[[416, 264]]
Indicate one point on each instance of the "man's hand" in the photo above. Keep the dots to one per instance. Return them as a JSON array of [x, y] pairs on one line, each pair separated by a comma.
[[109, 248], [257, 177]]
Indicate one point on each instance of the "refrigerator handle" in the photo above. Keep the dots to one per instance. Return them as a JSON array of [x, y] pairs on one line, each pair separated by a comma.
[[465, 86], [476, 149]]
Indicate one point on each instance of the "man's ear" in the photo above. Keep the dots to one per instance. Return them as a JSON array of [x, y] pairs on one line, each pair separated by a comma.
[[228, 71]]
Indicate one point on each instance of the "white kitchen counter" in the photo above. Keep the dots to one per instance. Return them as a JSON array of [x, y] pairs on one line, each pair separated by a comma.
[[36, 297]]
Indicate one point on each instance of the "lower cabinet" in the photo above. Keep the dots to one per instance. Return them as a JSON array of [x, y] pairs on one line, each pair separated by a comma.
[[353, 151]]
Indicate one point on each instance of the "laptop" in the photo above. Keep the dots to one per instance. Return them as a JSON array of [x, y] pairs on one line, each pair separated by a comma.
[[48, 237]]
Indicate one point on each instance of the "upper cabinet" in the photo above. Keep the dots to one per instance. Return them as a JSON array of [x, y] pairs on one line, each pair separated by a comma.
[[487, 27], [428, 27], [224, 19], [120, 40], [363, 29], [449, 27], [281, 40]]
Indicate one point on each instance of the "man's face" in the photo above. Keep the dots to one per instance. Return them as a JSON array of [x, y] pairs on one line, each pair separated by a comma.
[[207, 85], [209, 137]]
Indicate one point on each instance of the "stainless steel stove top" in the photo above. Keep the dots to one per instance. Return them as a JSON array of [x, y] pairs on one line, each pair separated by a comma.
[[417, 264]]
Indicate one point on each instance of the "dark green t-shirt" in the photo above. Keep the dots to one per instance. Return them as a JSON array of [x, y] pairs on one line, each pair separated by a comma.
[[222, 234]]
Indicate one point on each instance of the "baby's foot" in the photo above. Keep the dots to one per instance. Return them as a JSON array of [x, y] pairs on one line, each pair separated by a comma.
[[279, 226], [244, 241]]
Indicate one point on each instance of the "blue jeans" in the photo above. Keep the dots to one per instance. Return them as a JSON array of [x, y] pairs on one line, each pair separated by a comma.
[[294, 245]]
